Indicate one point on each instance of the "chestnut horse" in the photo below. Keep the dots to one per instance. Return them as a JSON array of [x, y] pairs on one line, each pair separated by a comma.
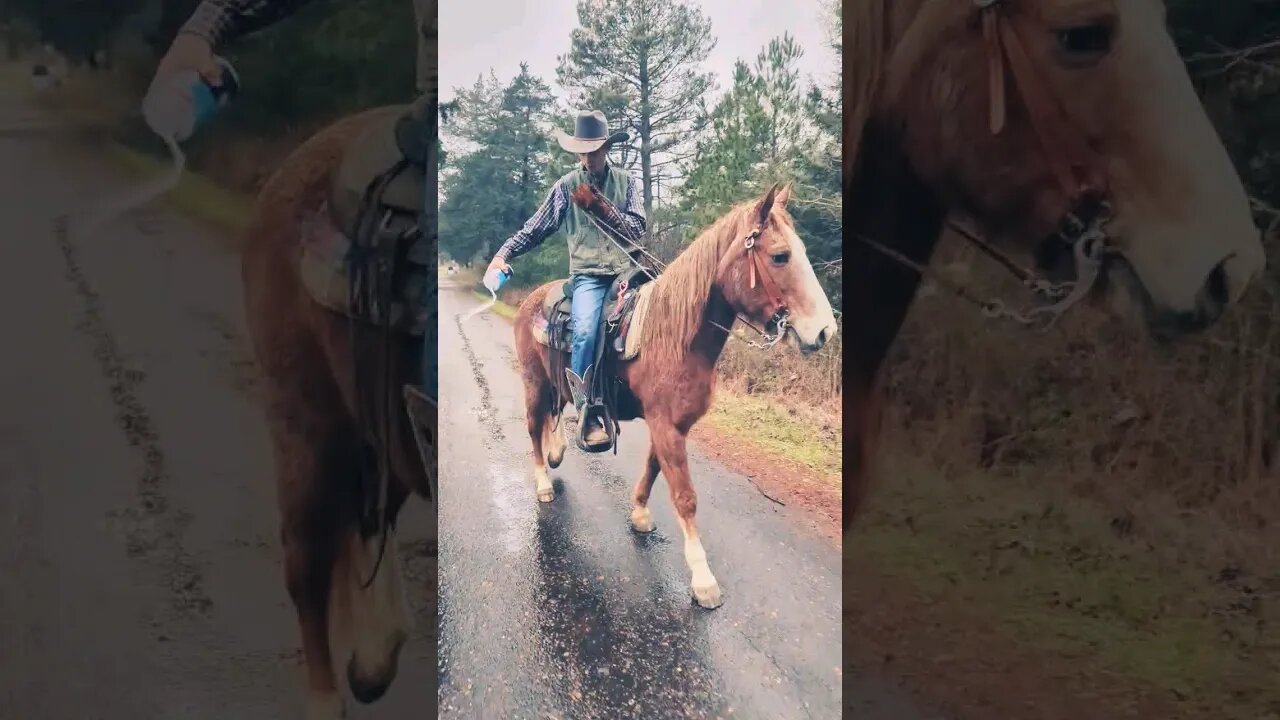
[[321, 449], [749, 263], [1046, 121]]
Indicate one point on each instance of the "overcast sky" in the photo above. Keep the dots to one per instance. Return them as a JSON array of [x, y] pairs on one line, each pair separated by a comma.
[[476, 35]]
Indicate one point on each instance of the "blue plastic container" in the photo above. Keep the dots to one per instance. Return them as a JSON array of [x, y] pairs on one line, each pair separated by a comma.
[[495, 279], [170, 113]]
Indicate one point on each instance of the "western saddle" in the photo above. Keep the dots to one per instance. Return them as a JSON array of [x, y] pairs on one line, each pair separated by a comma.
[[615, 341]]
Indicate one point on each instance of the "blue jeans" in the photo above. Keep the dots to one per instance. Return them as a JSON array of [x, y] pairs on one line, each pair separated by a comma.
[[584, 312]]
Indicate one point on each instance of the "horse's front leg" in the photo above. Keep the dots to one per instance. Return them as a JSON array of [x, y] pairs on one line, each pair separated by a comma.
[[641, 517], [669, 446]]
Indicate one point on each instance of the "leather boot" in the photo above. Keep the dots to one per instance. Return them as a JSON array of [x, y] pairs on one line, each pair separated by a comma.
[[595, 432]]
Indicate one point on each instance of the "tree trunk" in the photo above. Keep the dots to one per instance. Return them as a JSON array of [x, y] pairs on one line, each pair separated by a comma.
[[773, 137], [646, 159]]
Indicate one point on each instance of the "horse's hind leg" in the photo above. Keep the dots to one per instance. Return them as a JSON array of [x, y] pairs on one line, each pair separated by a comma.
[[669, 445], [536, 415], [641, 517]]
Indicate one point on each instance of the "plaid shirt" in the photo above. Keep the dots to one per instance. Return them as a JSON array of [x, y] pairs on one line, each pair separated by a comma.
[[220, 21], [549, 217]]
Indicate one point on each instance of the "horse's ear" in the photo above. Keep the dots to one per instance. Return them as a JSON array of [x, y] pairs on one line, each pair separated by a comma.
[[766, 205], [783, 196]]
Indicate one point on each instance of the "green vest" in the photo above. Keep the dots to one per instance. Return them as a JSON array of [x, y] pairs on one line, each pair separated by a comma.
[[591, 252]]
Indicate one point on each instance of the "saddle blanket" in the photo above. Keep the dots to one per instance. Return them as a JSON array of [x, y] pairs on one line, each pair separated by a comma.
[[626, 320]]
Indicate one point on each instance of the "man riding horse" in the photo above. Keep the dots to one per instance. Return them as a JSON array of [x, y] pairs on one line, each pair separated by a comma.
[[595, 259], [217, 22]]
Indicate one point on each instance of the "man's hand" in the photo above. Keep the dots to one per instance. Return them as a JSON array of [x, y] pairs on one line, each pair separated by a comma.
[[498, 264], [189, 52]]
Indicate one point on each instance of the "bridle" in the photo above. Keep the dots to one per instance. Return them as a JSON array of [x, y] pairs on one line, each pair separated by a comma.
[[1076, 168], [756, 266]]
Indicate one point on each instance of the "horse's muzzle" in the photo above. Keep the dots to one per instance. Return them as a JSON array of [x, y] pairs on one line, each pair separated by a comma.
[[816, 341]]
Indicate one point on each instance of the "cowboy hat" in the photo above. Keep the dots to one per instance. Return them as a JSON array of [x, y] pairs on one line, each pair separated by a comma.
[[589, 133]]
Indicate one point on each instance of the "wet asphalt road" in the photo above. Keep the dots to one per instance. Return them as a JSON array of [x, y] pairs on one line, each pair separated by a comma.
[[560, 610], [139, 556]]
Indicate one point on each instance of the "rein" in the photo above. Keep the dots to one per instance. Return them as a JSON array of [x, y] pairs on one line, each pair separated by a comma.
[[1075, 166], [779, 319]]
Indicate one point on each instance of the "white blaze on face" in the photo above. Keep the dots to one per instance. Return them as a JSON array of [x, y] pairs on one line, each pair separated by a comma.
[[1183, 217], [811, 315]]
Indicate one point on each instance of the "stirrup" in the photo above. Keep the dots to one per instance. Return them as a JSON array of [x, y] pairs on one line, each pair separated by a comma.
[[595, 412], [588, 410]]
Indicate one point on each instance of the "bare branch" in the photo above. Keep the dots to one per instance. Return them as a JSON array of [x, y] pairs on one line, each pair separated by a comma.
[[1230, 53]]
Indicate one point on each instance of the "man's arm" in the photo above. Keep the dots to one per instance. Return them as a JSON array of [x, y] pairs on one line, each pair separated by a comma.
[[632, 210], [539, 227], [221, 21]]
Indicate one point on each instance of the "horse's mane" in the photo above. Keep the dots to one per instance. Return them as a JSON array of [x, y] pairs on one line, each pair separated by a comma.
[[884, 42], [678, 305], [865, 56]]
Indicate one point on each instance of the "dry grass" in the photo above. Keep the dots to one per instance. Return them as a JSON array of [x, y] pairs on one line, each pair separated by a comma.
[[788, 404], [811, 386], [1116, 418], [1099, 497]]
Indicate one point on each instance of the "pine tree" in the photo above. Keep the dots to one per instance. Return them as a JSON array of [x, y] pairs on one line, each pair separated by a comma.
[[765, 129], [755, 132], [503, 165], [650, 52]]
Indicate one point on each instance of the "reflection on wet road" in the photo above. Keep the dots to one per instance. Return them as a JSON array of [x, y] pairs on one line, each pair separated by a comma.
[[560, 610]]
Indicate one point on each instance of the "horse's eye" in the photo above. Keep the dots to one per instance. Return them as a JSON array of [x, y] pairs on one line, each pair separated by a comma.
[[780, 258], [1084, 44]]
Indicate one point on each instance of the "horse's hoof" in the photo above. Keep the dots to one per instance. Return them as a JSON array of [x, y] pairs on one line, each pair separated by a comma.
[[708, 597], [325, 706], [542, 485], [642, 520]]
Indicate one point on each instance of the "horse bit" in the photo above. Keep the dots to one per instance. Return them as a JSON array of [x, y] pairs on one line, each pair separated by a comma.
[[1069, 155]]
